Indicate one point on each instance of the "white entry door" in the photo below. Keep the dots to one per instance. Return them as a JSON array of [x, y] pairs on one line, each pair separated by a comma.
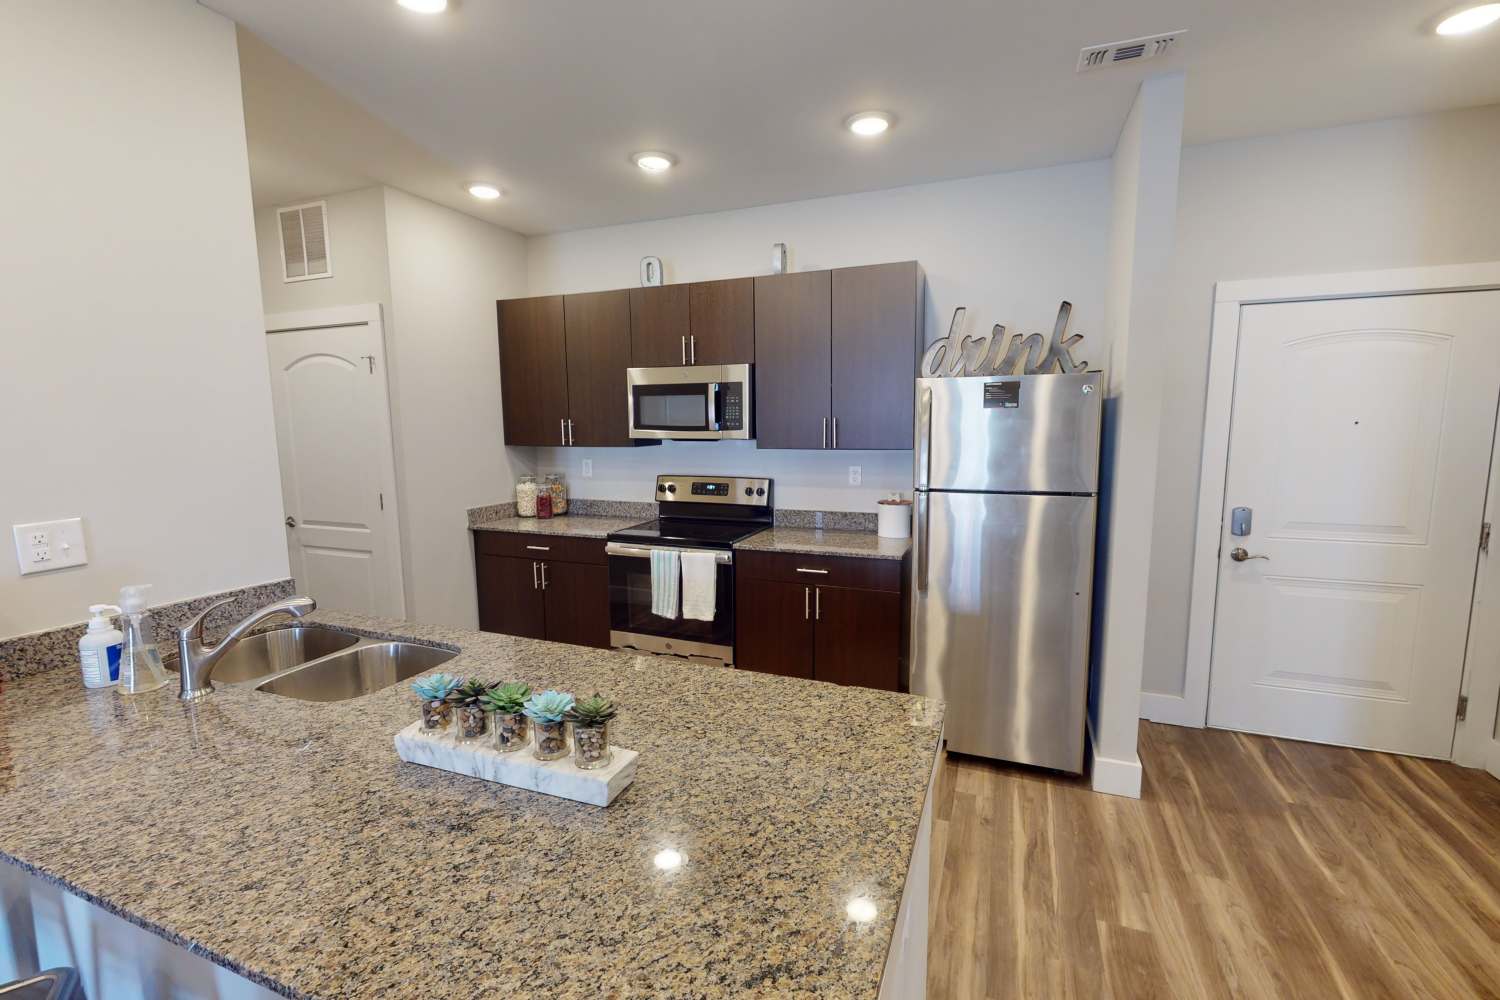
[[1360, 442], [333, 433]]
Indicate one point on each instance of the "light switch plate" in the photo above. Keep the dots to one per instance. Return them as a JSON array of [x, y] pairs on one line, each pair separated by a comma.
[[47, 545]]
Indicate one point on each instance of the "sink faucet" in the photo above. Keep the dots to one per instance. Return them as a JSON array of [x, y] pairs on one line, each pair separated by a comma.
[[196, 659]]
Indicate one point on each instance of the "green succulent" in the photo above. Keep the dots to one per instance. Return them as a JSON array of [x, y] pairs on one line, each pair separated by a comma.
[[594, 711], [437, 687], [509, 697], [548, 706], [469, 692]]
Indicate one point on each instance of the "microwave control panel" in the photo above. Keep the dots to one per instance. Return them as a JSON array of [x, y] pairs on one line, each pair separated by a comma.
[[732, 406]]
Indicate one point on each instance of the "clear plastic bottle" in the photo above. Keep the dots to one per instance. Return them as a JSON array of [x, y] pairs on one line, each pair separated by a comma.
[[141, 669], [99, 648]]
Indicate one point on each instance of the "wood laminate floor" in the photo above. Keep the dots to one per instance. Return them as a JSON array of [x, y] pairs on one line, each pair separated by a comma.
[[1250, 867]]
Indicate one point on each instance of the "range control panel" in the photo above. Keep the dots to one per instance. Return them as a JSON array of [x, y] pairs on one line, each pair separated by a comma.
[[714, 489]]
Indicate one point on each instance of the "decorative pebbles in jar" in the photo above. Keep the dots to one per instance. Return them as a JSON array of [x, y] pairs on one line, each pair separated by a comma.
[[559, 491], [526, 492]]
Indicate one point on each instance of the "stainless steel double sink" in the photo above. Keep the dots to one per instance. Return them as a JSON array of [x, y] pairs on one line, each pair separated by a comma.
[[321, 663]]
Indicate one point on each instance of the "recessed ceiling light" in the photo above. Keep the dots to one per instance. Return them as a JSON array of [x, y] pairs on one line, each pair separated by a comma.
[[868, 123], [1469, 20], [484, 192], [425, 6], [654, 161]]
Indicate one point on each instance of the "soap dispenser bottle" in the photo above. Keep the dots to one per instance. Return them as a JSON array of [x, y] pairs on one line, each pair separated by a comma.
[[99, 648], [141, 668]]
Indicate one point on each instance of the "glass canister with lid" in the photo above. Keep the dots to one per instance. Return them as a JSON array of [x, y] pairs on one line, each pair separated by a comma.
[[559, 490], [526, 491]]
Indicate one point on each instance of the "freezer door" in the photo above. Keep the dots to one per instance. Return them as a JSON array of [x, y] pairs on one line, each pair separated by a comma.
[[1000, 621], [1016, 434]]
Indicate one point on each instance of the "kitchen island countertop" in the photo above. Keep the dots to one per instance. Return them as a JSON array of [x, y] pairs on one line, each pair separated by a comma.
[[285, 841]]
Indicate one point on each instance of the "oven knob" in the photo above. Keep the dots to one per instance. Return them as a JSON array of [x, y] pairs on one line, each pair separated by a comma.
[[671, 487], [749, 492], [661, 487], [760, 492]]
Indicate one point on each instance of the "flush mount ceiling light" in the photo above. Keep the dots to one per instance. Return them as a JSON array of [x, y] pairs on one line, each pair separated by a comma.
[[484, 192], [654, 161], [424, 6], [868, 123], [1470, 19]]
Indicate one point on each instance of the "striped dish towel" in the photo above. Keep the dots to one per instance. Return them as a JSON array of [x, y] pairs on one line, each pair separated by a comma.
[[666, 576]]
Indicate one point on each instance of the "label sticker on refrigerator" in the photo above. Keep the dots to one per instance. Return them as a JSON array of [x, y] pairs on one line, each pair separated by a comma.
[[1006, 395]]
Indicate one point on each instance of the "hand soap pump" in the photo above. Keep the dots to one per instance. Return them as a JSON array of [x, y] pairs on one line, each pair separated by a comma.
[[99, 648], [141, 668]]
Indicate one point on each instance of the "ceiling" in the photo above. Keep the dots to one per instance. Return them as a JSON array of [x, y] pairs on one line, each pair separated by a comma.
[[550, 99]]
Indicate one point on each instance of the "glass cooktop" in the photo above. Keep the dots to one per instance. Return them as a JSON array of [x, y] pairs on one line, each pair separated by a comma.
[[686, 531]]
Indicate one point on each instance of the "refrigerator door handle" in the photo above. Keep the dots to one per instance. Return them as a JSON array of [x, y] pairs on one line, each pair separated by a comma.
[[921, 496], [924, 438]]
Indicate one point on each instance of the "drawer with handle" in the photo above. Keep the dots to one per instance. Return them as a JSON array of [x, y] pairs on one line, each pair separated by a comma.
[[526, 545], [827, 571]]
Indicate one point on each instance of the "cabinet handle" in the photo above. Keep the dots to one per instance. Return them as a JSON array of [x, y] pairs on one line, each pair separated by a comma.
[[820, 572], [540, 548], [825, 433], [818, 603], [693, 347], [535, 583], [835, 432], [570, 430], [684, 348], [544, 576], [562, 430], [806, 598]]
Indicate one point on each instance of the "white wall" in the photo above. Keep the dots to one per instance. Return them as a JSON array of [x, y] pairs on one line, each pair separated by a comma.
[[1409, 191], [360, 257], [134, 390], [1143, 222], [1008, 246], [447, 269]]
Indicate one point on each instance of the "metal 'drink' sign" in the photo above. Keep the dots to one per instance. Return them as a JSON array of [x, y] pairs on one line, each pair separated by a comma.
[[994, 354]]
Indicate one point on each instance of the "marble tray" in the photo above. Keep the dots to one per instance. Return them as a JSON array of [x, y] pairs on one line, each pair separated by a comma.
[[519, 768]]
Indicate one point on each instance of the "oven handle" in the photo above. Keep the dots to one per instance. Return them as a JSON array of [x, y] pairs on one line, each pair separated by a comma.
[[637, 552]]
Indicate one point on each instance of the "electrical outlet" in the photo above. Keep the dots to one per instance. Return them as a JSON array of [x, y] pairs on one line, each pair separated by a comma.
[[856, 475], [49, 545], [588, 468]]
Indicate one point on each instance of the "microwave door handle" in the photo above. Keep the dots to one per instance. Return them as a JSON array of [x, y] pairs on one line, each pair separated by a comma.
[[713, 406]]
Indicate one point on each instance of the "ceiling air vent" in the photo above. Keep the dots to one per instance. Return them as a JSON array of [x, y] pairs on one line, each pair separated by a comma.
[[304, 241], [1130, 50]]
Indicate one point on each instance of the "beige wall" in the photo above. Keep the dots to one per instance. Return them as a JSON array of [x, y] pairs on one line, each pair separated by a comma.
[[1404, 192], [134, 390], [1008, 246], [360, 256]]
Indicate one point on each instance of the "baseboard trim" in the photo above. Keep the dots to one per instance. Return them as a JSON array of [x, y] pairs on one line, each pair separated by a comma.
[[1169, 708], [1111, 775]]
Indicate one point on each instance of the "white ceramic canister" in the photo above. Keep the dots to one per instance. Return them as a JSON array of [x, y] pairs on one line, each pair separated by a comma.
[[894, 517]]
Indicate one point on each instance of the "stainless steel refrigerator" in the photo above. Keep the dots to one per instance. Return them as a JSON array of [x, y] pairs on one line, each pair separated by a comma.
[[1007, 480]]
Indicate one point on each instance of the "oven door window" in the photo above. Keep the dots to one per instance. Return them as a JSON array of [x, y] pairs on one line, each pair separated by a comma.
[[681, 407], [630, 605]]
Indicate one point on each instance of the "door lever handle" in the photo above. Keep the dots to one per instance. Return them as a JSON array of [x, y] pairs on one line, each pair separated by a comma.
[[1240, 555]]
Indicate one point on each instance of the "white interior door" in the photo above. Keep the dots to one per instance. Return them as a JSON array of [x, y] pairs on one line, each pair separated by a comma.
[[1360, 440], [333, 433]]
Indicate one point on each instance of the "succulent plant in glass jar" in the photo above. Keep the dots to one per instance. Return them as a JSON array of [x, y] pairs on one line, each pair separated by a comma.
[[472, 717], [548, 711], [512, 727], [433, 691], [590, 718]]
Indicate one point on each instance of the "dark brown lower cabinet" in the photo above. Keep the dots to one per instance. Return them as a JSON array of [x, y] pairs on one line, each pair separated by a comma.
[[794, 617], [542, 588], [773, 631]]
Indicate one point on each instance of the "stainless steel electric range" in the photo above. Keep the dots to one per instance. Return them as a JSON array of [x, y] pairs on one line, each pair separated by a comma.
[[694, 514]]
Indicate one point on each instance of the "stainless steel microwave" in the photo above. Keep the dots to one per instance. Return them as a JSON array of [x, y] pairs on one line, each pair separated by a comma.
[[691, 403]]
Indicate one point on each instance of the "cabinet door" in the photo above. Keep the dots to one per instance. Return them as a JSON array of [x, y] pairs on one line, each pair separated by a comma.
[[792, 360], [877, 324], [722, 321], [510, 597], [773, 627], [598, 338], [577, 599], [659, 326], [858, 637], [533, 370]]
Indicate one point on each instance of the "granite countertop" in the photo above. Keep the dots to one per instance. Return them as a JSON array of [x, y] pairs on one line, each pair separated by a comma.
[[818, 541], [575, 525], [285, 840]]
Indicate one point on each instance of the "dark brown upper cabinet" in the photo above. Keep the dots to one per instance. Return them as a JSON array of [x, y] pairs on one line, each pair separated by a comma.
[[598, 340], [721, 322], [793, 359], [659, 326], [877, 327], [533, 370]]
